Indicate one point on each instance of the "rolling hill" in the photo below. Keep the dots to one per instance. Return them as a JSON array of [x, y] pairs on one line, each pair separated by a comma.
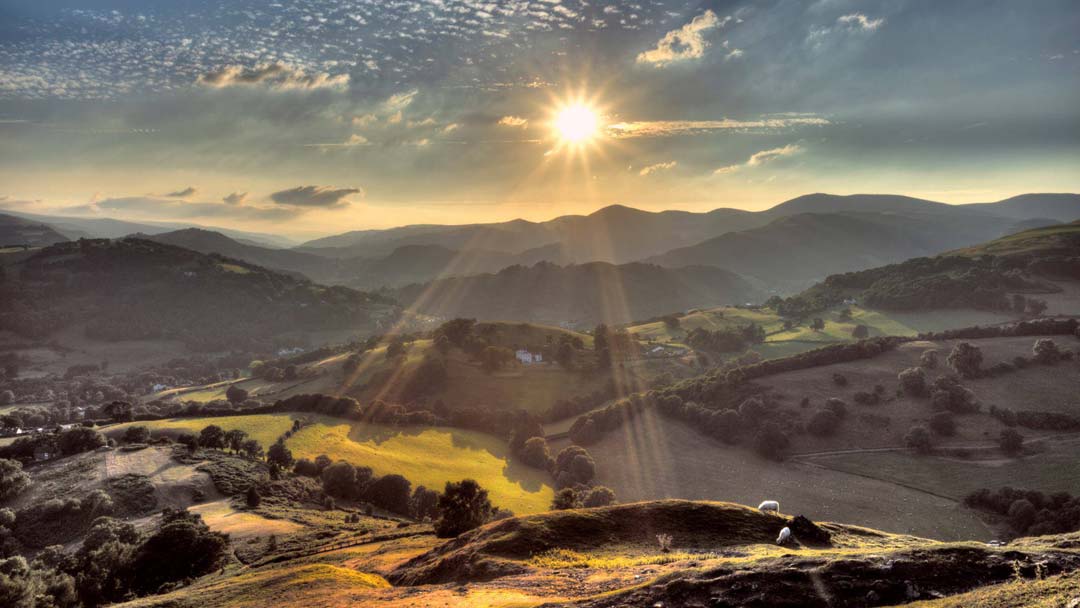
[[579, 295], [16, 231], [799, 248], [314, 267], [135, 289]]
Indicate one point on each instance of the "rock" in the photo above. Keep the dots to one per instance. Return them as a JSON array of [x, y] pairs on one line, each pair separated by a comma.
[[808, 532]]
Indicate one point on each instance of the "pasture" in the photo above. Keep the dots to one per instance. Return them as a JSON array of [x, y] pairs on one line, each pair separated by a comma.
[[429, 457], [653, 457], [264, 428]]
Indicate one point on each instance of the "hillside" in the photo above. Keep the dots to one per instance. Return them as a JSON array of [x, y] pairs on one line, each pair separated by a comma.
[[795, 249], [1033, 263], [579, 295], [137, 289], [313, 267], [16, 231], [1063, 207]]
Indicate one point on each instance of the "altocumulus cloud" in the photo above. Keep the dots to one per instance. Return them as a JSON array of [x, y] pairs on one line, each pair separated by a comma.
[[760, 158], [275, 75], [236, 198], [860, 21], [314, 196], [657, 167], [687, 42]]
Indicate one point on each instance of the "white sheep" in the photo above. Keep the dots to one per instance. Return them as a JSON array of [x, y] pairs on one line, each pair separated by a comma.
[[785, 534], [769, 505]]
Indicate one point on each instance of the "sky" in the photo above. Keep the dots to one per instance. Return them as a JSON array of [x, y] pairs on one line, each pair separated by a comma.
[[320, 116]]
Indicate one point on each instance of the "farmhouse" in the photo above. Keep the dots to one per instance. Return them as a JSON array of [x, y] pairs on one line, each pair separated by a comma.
[[528, 358]]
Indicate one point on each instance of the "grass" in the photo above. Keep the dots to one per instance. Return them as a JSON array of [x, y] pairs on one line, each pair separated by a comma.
[[264, 428], [235, 268], [429, 457], [567, 558]]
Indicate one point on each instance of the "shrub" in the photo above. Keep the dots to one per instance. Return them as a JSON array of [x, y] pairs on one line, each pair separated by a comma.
[[535, 453], [235, 394], [823, 423], [1011, 442], [252, 497], [949, 395], [136, 434], [566, 498], [943, 424], [860, 332], [13, 480], [929, 358], [599, 496], [913, 382], [918, 438], [966, 360], [771, 442], [839, 379], [1046, 351], [463, 505]]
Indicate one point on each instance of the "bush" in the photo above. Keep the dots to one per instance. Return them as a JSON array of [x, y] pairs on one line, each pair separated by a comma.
[[136, 434], [566, 498], [823, 423], [771, 442], [1011, 442], [573, 466], [253, 498], [462, 506], [1046, 351], [949, 395], [235, 394], [943, 424], [13, 480], [918, 438], [929, 358], [913, 382], [966, 360], [839, 379]]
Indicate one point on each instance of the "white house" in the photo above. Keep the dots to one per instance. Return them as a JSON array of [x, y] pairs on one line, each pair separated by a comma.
[[528, 358]]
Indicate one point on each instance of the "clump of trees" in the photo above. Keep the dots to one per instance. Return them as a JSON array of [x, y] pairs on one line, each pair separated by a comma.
[[463, 505], [966, 360], [573, 466], [913, 382], [947, 394], [1030, 512], [726, 340], [576, 498]]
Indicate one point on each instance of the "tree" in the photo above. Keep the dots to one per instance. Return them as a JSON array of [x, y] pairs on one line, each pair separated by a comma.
[[966, 360], [929, 358], [455, 331], [13, 480], [1011, 442], [280, 455], [1021, 514], [425, 503], [564, 355], [599, 496], [535, 453], [860, 332], [913, 382], [494, 357], [78, 440], [943, 423], [391, 492], [582, 468], [566, 498], [252, 449], [463, 505], [771, 442], [918, 438], [235, 394], [212, 436], [339, 479], [1046, 351], [183, 548], [306, 468], [136, 434], [235, 439], [119, 411], [252, 497], [823, 423], [818, 324]]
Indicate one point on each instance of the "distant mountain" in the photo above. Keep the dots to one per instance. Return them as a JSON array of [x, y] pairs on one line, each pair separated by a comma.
[[833, 203], [580, 295], [1061, 207], [108, 228], [793, 251], [311, 266], [129, 289], [19, 231], [612, 234], [984, 276]]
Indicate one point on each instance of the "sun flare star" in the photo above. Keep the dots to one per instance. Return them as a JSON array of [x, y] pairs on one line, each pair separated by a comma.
[[577, 123]]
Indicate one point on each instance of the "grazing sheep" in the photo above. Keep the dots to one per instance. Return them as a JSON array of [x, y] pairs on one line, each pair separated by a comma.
[[769, 505], [785, 534]]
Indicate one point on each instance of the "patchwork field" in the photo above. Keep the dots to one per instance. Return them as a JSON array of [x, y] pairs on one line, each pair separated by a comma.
[[429, 457], [653, 457]]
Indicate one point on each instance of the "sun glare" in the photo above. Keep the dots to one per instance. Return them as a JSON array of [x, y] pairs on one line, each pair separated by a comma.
[[577, 123]]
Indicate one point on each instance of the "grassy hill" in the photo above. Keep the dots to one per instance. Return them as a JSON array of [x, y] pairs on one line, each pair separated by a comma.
[[581, 295], [138, 289], [210, 242], [16, 231]]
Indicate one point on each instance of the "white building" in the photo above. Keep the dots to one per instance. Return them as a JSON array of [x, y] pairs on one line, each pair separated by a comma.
[[528, 358]]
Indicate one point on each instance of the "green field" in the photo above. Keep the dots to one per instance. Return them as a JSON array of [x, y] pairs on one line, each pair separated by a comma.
[[429, 457], [1053, 470], [712, 319], [264, 428]]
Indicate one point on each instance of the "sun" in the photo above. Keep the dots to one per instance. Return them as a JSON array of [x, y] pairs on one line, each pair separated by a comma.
[[577, 123]]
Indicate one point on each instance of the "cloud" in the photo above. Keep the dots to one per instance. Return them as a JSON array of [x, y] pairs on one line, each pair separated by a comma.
[[860, 21], [513, 121], [236, 198], [314, 196], [275, 75], [185, 193], [354, 140], [170, 209], [687, 42], [760, 158], [666, 128], [657, 167]]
